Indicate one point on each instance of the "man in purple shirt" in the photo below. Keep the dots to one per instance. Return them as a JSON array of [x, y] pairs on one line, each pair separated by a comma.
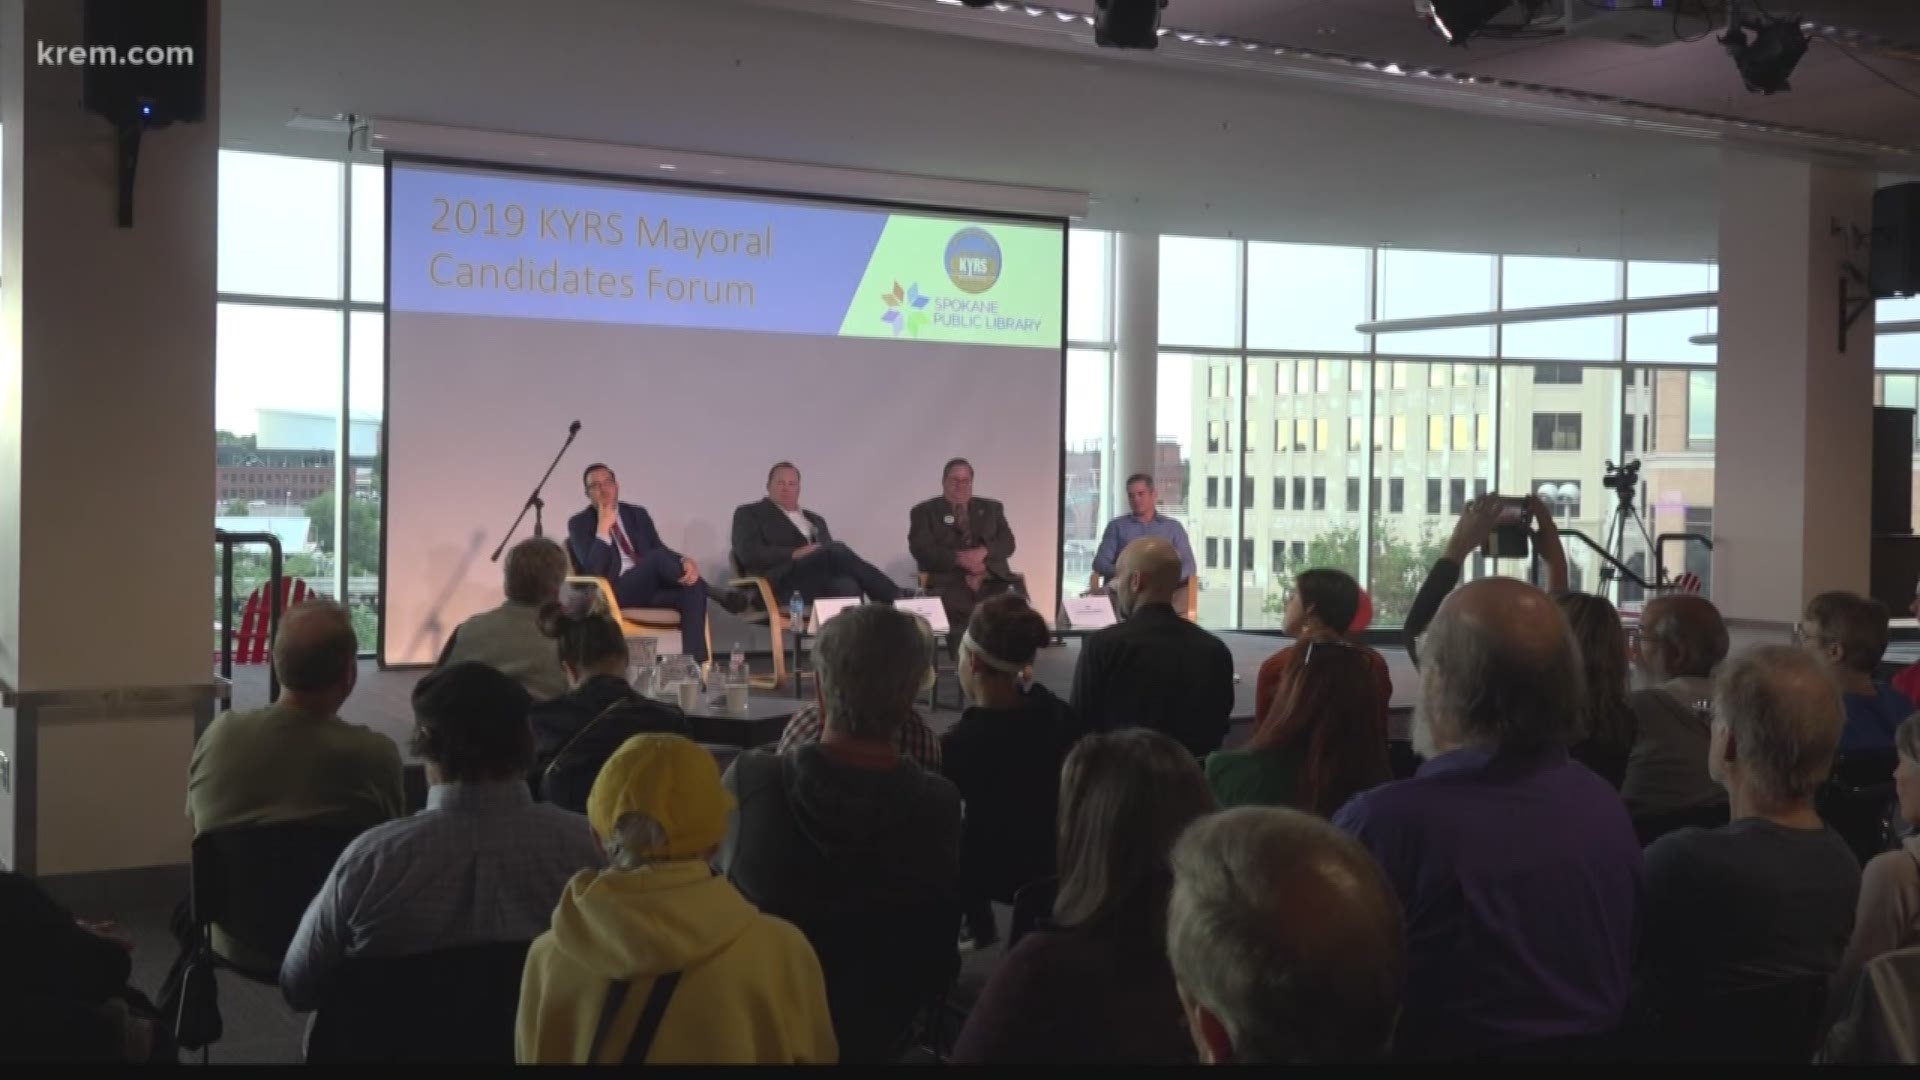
[[1516, 866]]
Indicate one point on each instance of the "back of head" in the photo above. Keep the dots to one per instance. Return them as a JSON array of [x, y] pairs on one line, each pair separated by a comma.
[[1328, 701], [1284, 928], [1688, 630], [658, 798], [1783, 709], [1333, 596], [1007, 628], [1125, 796], [535, 571], [1906, 737], [470, 721], [1501, 669], [1603, 656], [872, 662], [1855, 623], [586, 637], [316, 649]]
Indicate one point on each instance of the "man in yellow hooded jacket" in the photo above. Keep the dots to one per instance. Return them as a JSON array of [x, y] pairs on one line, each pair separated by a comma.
[[659, 960]]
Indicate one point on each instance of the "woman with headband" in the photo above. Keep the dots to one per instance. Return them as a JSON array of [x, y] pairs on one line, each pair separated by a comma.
[[1004, 755]]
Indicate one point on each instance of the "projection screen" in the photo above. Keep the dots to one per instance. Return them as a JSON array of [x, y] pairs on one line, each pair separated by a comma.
[[698, 336]]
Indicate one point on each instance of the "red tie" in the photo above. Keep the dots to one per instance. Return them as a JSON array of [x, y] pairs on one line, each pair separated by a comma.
[[620, 538]]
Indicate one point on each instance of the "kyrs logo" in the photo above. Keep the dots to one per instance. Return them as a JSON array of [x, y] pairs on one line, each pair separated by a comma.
[[906, 309], [973, 260]]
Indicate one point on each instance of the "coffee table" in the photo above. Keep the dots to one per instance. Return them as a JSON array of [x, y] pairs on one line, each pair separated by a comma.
[[762, 722]]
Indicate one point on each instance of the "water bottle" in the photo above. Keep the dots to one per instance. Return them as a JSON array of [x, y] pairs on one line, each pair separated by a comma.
[[796, 610], [737, 666], [659, 686]]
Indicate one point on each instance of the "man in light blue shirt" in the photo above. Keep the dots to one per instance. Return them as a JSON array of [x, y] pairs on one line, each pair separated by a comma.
[[1145, 520]]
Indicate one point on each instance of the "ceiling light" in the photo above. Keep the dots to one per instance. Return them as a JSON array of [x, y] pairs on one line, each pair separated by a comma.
[[1128, 24], [1767, 60]]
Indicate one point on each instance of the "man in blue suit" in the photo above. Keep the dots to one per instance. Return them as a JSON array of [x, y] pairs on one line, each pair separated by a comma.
[[617, 541]]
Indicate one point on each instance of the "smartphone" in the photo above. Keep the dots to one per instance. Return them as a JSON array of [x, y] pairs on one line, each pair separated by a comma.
[[1510, 538]]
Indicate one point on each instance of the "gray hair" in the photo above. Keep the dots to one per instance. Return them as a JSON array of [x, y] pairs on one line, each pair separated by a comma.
[[1285, 929], [634, 835], [1486, 687], [1906, 737], [1783, 708], [873, 662]]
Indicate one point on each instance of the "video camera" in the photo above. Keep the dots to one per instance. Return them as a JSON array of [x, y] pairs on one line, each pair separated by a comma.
[[1622, 478]]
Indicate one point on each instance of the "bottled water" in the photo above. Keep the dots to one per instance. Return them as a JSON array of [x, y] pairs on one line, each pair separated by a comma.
[[796, 609], [737, 666]]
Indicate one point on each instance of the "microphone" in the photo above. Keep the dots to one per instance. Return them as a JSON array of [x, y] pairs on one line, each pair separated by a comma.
[[574, 429]]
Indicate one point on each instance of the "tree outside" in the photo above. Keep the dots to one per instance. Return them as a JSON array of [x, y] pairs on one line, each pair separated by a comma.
[[363, 532], [1399, 566]]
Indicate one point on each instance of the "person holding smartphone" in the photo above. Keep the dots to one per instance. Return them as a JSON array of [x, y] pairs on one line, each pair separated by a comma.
[[1475, 531]]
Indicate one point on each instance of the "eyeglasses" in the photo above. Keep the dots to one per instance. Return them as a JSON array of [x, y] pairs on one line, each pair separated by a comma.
[[599, 485]]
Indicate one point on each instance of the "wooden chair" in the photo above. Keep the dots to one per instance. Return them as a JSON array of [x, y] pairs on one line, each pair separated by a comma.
[[1191, 589], [765, 612], [636, 621]]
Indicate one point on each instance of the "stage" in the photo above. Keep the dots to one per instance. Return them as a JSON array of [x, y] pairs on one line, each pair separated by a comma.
[[381, 701]]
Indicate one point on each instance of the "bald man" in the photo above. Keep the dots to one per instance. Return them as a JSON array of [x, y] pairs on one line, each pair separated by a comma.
[[1682, 640], [1517, 867], [296, 759], [1287, 945], [1768, 898], [1154, 669]]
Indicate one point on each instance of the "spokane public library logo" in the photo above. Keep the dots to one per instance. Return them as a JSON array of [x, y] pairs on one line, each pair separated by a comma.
[[973, 260]]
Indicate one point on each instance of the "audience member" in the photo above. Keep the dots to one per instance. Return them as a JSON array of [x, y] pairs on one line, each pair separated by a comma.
[[508, 638], [1768, 897], [1321, 607], [657, 959], [1605, 734], [847, 823], [1475, 527], [914, 739], [1888, 915], [575, 733], [1004, 755], [482, 863], [1154, 669], [1851, 632], [1286, 942], [1517, 867], [65, 997], [1095, 987], [1323, 742], [296, 760], [1682, 640]]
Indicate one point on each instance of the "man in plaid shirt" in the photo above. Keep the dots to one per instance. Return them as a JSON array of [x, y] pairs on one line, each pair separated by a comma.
[[914, 739]]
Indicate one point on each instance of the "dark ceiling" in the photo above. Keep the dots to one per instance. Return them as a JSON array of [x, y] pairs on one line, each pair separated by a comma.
[[1832, 91]]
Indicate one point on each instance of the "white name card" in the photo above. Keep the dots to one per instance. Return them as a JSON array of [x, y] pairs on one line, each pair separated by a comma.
[[1090, 612], [825, 608], [927, 607]]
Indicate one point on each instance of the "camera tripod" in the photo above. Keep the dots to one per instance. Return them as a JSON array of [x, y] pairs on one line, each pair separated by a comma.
[[1624, 513]]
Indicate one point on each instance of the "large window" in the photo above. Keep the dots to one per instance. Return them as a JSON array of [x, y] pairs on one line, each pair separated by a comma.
[[300, 336]]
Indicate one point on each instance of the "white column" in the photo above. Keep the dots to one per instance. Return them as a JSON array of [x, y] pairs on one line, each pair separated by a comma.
[[1136, 359], [1793, 450], [106, 464]]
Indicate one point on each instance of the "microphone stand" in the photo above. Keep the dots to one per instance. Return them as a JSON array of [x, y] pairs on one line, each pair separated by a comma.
[[534, 502]]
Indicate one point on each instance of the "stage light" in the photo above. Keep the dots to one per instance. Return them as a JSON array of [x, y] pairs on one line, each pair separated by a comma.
[[1127, 24], [1458, 20], [1767, 60]]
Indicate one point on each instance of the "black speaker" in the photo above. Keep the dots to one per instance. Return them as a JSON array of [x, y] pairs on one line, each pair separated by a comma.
[[1892, 471], [1894, 266], [158, 73]]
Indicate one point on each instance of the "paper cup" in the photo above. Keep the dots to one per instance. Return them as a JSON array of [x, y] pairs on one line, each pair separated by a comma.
[[689, 695], [737, 698]]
